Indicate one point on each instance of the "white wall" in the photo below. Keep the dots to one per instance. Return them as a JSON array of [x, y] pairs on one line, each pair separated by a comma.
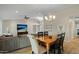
[[62, 18], [0, 27], [12, 26], [77, 26]]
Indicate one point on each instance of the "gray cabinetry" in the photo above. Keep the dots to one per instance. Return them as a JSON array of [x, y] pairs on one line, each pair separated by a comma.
[[9, 44]]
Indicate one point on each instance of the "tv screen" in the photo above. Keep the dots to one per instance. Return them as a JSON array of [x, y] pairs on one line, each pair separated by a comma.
[[21, 27]]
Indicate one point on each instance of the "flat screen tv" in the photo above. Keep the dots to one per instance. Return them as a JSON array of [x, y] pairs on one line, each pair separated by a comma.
[[21, 28]]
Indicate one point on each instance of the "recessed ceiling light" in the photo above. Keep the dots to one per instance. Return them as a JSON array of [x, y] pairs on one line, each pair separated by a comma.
[[17, 11]]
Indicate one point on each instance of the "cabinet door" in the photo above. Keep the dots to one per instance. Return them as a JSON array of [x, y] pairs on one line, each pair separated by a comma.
[[17, 44], [10, 44], [6, 45], [1, 46], [27, 41], [21, 42], [24, 42]]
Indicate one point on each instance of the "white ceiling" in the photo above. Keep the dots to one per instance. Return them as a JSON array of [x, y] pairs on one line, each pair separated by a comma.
[[8, 11]]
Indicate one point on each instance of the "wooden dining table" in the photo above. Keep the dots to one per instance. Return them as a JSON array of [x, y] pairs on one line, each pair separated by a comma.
[[47, 40]]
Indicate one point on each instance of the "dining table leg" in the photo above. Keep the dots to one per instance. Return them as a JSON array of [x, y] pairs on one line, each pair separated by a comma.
[[47, 47]]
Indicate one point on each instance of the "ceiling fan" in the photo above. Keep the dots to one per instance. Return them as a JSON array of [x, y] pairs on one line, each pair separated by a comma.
[[24, 16]]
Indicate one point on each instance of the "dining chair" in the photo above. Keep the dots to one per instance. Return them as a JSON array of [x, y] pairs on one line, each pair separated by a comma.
[[45, 33], [36, 48], [62, 41], [40, 34], [57, 47]]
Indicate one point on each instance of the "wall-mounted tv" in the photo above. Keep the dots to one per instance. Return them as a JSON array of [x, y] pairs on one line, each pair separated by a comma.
[[22, 28]]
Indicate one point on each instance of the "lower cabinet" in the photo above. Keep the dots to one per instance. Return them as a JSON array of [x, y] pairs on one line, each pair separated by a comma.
[[10, 44]]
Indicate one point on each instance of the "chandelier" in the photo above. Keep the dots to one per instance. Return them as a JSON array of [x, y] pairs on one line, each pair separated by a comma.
[[50, 17]]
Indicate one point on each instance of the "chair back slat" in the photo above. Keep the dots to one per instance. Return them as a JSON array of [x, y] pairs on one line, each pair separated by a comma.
[[40, 34], [46, 33]]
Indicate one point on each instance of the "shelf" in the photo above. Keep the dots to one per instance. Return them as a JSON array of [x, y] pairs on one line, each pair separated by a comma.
[[48, 26]]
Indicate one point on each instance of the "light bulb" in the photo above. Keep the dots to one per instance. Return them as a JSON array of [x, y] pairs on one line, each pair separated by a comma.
[[50, 16], [54, 16], [46, 18]]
